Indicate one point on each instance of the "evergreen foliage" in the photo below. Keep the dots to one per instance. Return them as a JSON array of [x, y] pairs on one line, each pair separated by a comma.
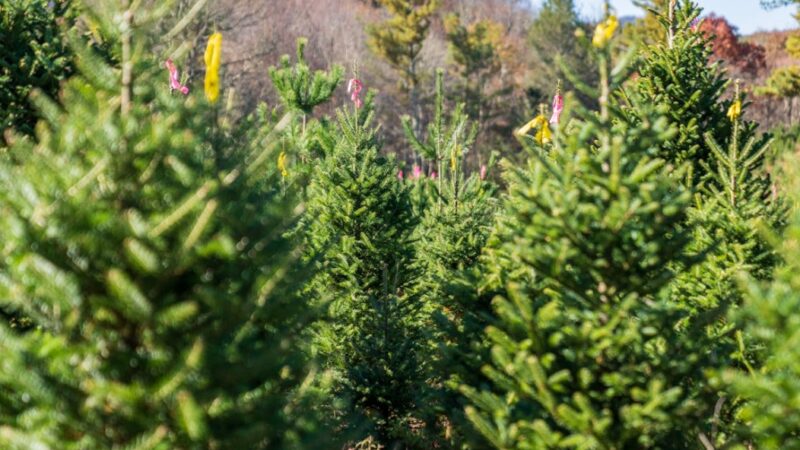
[[143, 244], [173, 276], [676, 73], [298, 88], [583, 348], [359, 231], [33, 56], [770, 414], [450, 239]]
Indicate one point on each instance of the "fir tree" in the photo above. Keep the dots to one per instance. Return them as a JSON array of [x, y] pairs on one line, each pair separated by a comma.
[[734, 197], [770, 315], [359, 230], [143, 242], [734, 204], [730, 213], [583, 347], [676, 73], [453, 231], [33, 56], [298, 88], [306, 139]]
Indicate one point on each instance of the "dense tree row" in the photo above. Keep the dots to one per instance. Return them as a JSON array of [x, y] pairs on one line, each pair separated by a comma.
[[174, 277]]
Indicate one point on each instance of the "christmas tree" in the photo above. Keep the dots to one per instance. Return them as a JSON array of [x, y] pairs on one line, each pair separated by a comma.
[[734, 197], [769, 417], [584, 344], [736, 201], [359, 230], [450, 238], [306, 139], [143, 246], [676, 74]]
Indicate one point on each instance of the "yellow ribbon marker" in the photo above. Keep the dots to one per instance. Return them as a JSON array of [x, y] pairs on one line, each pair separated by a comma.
[[543, 135], [282, 164], [213, 58], [605, 31], [735, 111]]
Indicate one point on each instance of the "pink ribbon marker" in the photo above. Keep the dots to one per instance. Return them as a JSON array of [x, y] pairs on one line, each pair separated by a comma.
[[354, 88], [558, 108], [174, 78]]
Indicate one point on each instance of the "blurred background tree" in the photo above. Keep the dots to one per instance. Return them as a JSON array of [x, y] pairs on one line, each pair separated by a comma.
[[399, 40], [480, 55], [648, 29], [551, 38]]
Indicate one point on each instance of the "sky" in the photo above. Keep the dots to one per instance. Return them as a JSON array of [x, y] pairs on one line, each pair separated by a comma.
[[747, 15]]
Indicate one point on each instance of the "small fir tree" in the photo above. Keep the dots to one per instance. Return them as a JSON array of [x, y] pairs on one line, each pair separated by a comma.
[[306, 139], [450, 239], [583, 348], [736, 201], [359, 230], [735, 205], [676, 73]]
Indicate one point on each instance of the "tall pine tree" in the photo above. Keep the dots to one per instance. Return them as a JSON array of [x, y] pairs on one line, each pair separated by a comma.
[[399, 40], [554, 45]]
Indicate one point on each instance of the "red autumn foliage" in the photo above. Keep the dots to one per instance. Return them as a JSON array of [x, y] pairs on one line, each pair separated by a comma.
[[743, 57]]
